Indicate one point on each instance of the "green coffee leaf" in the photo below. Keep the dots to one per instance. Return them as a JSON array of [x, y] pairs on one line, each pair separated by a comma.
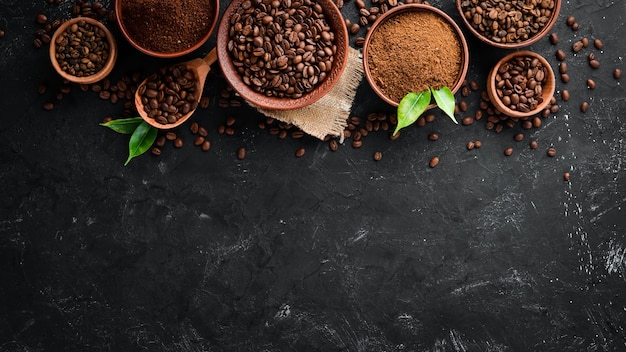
[[141, 140], [124, 126], [445, 100], [411, 108]]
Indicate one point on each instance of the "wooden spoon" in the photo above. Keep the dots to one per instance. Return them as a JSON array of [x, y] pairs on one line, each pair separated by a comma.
[[200, 67]]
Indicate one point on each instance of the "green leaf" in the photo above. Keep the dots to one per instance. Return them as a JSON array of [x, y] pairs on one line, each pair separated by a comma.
[[141, 140], [445, 100], [124, 126], [411, 108]]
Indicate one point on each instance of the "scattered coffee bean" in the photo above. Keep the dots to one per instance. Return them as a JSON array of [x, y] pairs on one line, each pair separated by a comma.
[[169, 94], [333, 145], [554, 38], [617, 73], [433, 136], [565, 95], [2, 33], [206, 145], [585, 42], [354, 28], [203, 131], [429, 117], [378, 156], [533, 144], [536, 122], [156, 151], [178, 142], [594, 63], [230, 120], [473, 85], [160, 141], [564, 77], [560, 55], [551, 152], [508, 151], [359, 41], [170, 136], [591, 84], [554, 109], [575, 26], [562, 67], [300, 152], [204, 102], [518, 137], [468, 120], [433, 162], [41, 89], [357, 144], [41, 18], [193, 127], [37, 43], [570, 20], [470, 145], [598, 44], [463, 105], [241, 153], [48, 105], [198, 140], [591, 56], [577, 46], [478, 144], [566, 176], [584, 106]]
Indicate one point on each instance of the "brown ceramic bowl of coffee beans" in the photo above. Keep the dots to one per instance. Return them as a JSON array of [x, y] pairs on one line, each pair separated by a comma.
[[509, 24], [282, 55], [412, 48], [166, 28], [83, 50], [521, 84]]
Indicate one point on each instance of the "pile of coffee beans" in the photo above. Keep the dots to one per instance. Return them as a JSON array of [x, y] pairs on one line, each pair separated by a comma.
[[169, 94], [82, 50], [508, 21], [281, 48], [519, 83]]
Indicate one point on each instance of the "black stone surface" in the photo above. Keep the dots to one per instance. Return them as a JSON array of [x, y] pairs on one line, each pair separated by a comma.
[[194, 251]]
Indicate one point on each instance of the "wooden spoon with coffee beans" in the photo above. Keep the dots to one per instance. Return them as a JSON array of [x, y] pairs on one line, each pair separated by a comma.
[[166, 99]]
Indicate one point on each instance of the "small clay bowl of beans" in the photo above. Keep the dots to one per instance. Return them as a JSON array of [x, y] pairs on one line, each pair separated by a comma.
[[506, 24], [521, 84], [412, 48], [83, 50], [282, 55], [166, 28]]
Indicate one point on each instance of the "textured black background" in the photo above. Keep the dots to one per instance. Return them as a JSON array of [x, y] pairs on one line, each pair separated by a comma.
[[194, 251]]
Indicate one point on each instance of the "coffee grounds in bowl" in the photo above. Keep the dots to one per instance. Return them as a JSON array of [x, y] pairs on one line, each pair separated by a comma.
[[412, 52], [167, 26]]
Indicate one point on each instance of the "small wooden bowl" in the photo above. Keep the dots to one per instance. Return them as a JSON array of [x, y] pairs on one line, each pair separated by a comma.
[[335, 21], [120, 23], [547, 87], [406, 8], [98, 76], [535, 38]]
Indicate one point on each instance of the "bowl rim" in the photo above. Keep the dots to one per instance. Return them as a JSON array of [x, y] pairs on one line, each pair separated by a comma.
[[106, 69], [168, 55], [275, 103], [537, 37], [465, 56], [497, 102]]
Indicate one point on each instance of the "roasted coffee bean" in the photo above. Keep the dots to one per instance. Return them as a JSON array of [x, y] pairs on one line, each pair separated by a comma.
[[300, 152], [585, 42], [360, 4], [577, 46], [204, 102], [560, 55], [470, 145], [598, 44], [170, 136], [230, 120], [575, 26], [2, 33], [333, 145], [478, 115], [566, 176], [551, 152], [354, 28], [82, 50], [433, 162], [206, 145], [478, 144], [584, 106], [169, 94], [359, 41], [554, 38], [591, 84], [468, 120], [533, 144], [617, 73], [178, 142], [231, 132], [378, 156], [357, 143], [241, 153], [105, 95], [156, 151], [537, 121], [564, 77], [194, 127], [526, 125], [508, 151], [393, 136], [473, 85], [565, 95], [594, 63], [463, 105], [297, 134], [433, 136], [48, 105], [429, 117], [562, 67], [518, 137], [37, 43], [570, 20], [160, 141], [42, 88], [41, 18], [198, 140]]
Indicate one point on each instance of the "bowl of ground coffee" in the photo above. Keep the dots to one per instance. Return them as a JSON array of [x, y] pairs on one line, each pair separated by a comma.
[[282, 55], [521, 84], [412, 48], [509, 24], [83, 50], [166, 28]]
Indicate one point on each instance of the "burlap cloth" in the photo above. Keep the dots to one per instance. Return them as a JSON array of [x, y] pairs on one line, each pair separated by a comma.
[[327, 116]]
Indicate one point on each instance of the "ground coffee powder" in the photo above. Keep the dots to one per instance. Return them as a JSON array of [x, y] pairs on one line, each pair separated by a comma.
[[167, 25]]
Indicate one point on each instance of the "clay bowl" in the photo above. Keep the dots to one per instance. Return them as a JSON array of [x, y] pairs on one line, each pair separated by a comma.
[[548, 85], [337, 25], [119, 17], [467, 18], [98, 76], [464, 65]]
